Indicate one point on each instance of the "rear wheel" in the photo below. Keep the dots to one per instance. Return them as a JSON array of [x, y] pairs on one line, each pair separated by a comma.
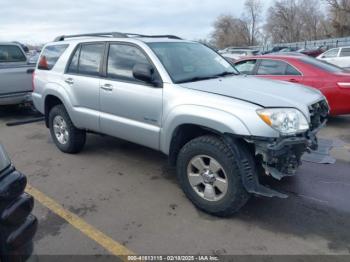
[[66, 136], [210, 176]]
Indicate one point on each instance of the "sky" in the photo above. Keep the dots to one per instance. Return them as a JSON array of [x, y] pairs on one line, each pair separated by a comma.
[[40, 21]]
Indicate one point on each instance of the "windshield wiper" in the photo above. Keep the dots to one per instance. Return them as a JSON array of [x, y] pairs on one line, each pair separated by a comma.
[[226, 74], [197, 78], [201, 78]]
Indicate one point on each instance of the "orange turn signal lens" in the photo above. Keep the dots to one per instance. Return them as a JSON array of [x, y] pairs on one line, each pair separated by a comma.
[[266, 119]]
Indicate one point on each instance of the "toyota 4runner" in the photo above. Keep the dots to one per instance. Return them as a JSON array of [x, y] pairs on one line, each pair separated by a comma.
[[222, 130]]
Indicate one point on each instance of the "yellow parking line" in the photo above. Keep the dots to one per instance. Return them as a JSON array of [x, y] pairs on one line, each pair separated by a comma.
[[103, 240]]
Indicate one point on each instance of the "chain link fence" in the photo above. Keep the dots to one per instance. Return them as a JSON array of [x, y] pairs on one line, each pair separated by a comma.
[[326, 43]]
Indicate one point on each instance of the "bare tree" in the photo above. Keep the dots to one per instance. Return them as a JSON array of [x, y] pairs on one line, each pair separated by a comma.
[[313, 27], [253, 16], [230, 31], [339, 15], [283, 23], [296, 20]]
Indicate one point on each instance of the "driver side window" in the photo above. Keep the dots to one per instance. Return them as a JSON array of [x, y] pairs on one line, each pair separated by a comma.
[[121, 60]]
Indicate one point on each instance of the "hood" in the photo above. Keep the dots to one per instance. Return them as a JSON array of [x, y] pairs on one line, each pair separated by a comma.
[[263, 92]]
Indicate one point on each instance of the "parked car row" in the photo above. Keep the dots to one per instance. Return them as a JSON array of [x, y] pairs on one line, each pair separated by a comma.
[[332, 81], [338, 56]]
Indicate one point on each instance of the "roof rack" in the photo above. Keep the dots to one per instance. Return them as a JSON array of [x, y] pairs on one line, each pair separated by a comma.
[[116, 35]]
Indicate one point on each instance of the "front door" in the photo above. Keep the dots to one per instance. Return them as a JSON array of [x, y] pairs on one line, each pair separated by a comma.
[[130, 109]]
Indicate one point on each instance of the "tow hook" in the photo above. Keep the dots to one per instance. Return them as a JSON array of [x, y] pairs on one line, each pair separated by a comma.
[[17, 225]]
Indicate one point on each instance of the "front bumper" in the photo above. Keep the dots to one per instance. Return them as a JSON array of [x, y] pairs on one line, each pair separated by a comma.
[[282, 157]]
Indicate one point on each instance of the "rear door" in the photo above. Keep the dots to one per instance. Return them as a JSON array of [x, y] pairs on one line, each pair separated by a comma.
[[130, 109], [82, 81], [278, 70], [15, 73]]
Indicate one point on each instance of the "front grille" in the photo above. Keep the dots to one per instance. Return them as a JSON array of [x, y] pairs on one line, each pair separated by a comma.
[[318, 114]]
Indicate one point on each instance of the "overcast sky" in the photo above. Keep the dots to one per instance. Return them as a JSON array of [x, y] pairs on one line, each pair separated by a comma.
[[39, 21]]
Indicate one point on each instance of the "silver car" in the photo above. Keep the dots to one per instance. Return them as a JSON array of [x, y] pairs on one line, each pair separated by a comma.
[[15, 75], [221, 129]]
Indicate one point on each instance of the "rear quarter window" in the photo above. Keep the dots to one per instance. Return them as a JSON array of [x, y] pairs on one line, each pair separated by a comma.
[[11, 53], [50, 56]]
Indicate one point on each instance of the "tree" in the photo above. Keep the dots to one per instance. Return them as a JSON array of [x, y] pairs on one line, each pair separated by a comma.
[[253, 17], [230, 31], [295, 20], [339, 16]]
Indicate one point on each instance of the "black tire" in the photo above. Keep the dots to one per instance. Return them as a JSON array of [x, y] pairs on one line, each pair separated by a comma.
[[229, 157], [77, 137]]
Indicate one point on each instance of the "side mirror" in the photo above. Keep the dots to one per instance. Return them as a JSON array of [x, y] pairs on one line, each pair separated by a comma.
[[144, 72]]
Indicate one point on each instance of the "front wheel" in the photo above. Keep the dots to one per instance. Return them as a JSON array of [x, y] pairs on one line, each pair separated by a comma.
[[209, 174], [66, 136]]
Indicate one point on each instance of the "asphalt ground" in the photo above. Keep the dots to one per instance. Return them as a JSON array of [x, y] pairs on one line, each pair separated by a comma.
[[116, 197]]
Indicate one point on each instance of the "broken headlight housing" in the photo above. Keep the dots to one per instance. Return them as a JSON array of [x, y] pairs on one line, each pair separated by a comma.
[[287, 121]]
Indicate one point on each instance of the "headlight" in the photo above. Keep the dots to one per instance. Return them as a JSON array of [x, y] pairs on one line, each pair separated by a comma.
[[287, 121]]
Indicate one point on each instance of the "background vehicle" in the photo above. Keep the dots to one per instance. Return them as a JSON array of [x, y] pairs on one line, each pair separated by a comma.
[[17, 225], [337, 56], [313, 52], [185, 100], [275, 49], [234, 54], [15, 75], [332, 81]]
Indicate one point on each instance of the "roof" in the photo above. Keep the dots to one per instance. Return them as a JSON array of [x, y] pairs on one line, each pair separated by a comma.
[[117, 36], [134, 40]]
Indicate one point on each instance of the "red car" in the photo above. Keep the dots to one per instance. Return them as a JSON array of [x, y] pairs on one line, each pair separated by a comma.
[[332, 81]]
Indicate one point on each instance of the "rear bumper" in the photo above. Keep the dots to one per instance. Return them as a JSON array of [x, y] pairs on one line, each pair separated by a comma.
[[38, 102], [15, 98]]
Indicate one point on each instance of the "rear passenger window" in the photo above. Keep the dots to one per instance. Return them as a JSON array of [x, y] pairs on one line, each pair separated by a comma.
[[50, 56], [345, 52], [121, 61], [87, 59], [73, 67], [90, 59], [11, 53], [272, 67]]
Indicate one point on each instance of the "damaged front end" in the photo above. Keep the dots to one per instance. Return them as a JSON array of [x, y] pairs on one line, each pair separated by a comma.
[[281, 157]]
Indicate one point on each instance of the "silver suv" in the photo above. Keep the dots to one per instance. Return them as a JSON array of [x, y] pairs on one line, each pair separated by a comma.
[[222, 130]]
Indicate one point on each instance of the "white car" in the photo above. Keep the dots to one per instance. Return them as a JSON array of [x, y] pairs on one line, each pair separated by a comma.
[[235, 54], [338, 56]]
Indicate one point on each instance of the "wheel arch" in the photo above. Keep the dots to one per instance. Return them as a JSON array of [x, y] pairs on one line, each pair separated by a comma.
[[190, 122]]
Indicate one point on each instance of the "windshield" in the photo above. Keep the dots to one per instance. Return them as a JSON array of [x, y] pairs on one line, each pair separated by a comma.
[[189, 62], [324, 66]]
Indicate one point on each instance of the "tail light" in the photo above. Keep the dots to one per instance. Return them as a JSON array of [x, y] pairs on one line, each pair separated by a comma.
[[344, 84], [43, 64]]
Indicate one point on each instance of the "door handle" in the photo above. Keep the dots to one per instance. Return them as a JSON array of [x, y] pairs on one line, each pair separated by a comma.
[[293, 80], [69, 81], [107, 87]]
